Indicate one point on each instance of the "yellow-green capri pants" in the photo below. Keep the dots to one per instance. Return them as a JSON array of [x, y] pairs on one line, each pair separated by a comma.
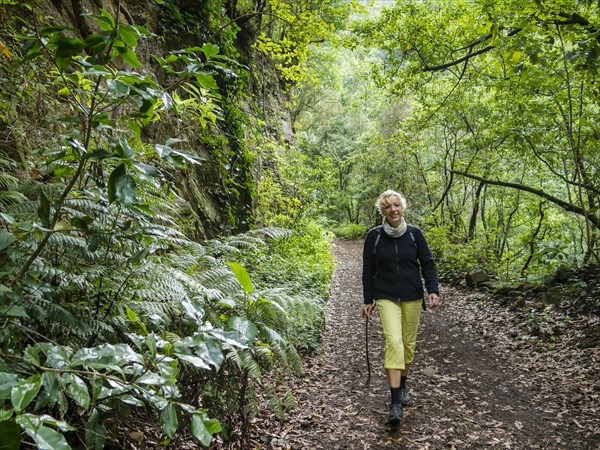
[[400, 323]]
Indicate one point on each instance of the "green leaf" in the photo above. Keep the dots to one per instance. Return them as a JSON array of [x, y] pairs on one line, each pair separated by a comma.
[[6, 239], [210, 50], [123, 149], [105, 20], [151, 343], [273, 336], [121, 186], [81, 222], [7, 381], [77, 145], [51, 390], [11, 435], [13, 311], [78, 391], [244, 326], [118, 88], [65, 47], [212, 352], [206, 80], [138, 257], [129, 57], [195, 361], [5, 289], [168, 420], [43, 210], [131, 315], [95, 431], [46, 438], [24, 391], [193, 310], [129, 35], [147, 170], [242, 276], [135, 128], [203, 428]]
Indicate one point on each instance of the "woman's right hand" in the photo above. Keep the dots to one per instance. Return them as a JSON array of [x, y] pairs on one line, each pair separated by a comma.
[[367, 309]]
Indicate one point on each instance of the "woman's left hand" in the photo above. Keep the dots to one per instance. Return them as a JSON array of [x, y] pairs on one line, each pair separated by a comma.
[[434, 300]]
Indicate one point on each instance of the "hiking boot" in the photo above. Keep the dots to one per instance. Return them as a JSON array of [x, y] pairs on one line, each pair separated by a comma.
[[405, 396], [396, 413]]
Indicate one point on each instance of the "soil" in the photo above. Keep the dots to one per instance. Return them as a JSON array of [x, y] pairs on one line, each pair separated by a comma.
[[481, 379]]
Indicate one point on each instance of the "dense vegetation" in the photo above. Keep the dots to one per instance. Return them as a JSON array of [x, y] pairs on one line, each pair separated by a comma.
[[168, 174], [484, 114], [116, 305]]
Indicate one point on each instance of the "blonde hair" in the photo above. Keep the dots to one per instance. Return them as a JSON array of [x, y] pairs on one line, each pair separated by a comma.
[[382, 199]]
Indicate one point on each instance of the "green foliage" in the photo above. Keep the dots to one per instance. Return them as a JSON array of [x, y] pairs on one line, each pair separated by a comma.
[[295, 273], [292, 26], [349, 231], [107, 306], [481, 114]]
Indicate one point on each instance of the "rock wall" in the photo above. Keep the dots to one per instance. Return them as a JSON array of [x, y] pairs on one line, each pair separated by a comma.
[[215, 207]]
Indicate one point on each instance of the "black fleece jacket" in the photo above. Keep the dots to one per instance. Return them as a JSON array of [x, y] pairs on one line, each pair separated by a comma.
[[393, 271]]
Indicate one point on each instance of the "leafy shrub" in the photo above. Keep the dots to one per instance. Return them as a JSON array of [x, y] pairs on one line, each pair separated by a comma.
[[108, 309], [349, 231]]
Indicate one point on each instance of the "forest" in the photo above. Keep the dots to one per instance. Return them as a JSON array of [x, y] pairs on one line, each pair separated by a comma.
[[174, 176]]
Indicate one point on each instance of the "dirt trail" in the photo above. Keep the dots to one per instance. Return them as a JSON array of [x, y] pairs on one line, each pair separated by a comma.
[[477, 382]]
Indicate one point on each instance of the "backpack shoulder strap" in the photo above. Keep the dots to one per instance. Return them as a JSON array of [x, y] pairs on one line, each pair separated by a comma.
[[379, 230], [412, 236]]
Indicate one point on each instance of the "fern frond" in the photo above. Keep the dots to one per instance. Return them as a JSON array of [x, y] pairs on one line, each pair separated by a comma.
[[221, 278], [7, 181], [89, 206], [272, 232], [26, 207], [8, 198], [231, 355], [250, 364], [149, 308]]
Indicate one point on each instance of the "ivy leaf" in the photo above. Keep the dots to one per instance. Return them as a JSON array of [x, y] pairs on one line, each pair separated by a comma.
[[121, 186], [24, 391], [168, 420]]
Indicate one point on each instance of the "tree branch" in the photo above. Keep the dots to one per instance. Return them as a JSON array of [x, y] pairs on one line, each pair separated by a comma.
[[570, 19], [593, 218], [469, 55]]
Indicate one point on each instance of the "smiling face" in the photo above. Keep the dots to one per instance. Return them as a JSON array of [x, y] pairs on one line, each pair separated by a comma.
[[392, 210]]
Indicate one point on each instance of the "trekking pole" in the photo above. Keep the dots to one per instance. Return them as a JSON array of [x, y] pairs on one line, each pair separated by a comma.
[[367, 349]]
